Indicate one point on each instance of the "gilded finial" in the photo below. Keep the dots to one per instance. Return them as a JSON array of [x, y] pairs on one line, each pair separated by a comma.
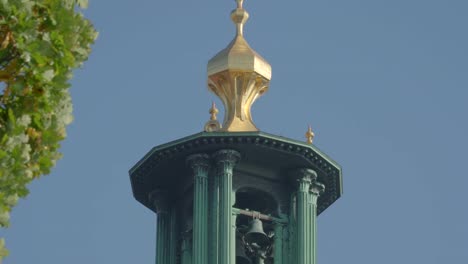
[[309, 135], [213, 125], [238, 76], [239, 16], [213, 111]]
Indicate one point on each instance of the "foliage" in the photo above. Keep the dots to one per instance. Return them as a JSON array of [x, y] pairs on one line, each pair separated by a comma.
[[41, 42]]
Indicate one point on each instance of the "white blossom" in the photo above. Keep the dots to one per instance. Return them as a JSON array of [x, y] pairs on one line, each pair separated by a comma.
[[64, 112], [14, 141], [11, 200], [4, 218], [25, 153], [24, 120], [28, 173]]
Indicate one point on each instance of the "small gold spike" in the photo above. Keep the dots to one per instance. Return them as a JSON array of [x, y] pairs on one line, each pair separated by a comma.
[[309, 135], [213, 124], [213, 111], [239, 16]]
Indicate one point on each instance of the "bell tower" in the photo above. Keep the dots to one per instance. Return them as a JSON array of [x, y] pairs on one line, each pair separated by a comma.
[[234, 194]]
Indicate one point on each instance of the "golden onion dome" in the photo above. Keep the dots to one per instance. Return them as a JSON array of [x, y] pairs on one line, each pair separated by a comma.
[[238, 76]]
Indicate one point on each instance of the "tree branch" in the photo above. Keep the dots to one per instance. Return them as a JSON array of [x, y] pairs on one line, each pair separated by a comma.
[[4, 76]]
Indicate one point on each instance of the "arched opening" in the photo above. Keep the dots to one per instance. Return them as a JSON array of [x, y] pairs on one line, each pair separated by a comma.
[[256, 200]]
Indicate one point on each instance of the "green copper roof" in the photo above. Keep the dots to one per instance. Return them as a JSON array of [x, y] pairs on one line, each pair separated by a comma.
[[271, 155]]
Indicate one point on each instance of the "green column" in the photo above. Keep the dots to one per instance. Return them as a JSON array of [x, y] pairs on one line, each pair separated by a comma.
[[316, 188], [162, 254], [225, 161], [186, 248], [292, 228], [287, 259], [233, 236], [173, 235], [308, 191], [278, 244], [200, 166], [213, 203], [303, 219], [309, 230], [165, 228]]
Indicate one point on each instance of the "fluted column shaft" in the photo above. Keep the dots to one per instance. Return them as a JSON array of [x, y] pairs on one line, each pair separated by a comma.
[[173, 236], [200, 167], [303, 219], [316, 189], [292, 228], [286, 256], [186, 248], [233, 238], [165, 228], [278, 244], [308, 191], [162, 235], [213, 204], [225, 161]]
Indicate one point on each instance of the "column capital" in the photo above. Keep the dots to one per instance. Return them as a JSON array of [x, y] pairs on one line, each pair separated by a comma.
[[227, 156], [317, 188], [303, 176], [199, 161], [160, 200], [187, 234]]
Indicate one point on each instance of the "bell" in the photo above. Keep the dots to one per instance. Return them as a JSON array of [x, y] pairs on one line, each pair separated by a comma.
[[241, 257], [256, 234]]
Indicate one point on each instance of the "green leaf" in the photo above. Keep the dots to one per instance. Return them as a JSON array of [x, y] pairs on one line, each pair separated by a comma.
[[11, 117], [3, 250], [18, 86]]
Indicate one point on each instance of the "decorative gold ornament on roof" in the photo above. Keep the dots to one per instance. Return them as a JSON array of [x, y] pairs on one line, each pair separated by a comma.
[[238, 76], [213, 124], [213, 111], [309, 135]]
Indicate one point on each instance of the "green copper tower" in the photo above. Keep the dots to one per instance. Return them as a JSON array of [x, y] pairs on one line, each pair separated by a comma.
[[233, 194]]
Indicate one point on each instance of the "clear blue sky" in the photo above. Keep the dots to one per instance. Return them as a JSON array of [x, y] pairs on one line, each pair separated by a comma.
[[383, 83]]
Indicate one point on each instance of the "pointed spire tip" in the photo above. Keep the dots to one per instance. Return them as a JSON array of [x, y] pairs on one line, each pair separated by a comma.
[[309, 135]]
